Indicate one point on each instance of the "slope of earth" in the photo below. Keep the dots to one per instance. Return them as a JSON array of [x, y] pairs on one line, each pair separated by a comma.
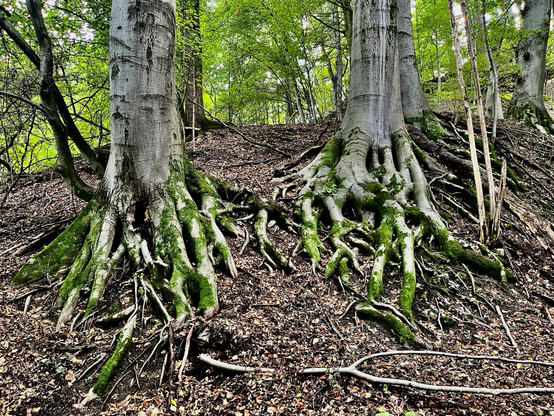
[[292, 321]]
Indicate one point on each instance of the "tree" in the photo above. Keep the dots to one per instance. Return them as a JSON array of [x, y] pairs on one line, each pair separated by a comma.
[[146, 209], [414, 103], [52, 102], [369, 167], [527, 101], [191, 93]]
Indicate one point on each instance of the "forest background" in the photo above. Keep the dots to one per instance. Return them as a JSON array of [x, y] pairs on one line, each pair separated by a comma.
[[238, 63]]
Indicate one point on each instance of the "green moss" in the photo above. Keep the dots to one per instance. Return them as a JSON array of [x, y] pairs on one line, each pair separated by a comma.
[[113, 364], [180, 274], [379, 172], [415, 214], [454, 251], [78, 275], [546, 205], [447, 321], [407, 294], [334, 263], [200, 286], [343, 270], [479, 143], [383, 240], [373, 187], [60, 253], [395, 185], [531, 116], [331, 153], [398, 327], [227, 224]]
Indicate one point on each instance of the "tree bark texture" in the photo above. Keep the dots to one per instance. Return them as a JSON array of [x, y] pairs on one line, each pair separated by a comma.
[[414, 102], [369, 166], [144, 120], [527, 101]]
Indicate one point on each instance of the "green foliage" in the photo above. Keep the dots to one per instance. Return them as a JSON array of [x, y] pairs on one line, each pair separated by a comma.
[[271, 65], [78, 31]]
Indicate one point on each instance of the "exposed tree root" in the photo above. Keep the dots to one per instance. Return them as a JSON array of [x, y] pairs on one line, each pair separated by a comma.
[[532, 116], [388, 192], [168, 242]]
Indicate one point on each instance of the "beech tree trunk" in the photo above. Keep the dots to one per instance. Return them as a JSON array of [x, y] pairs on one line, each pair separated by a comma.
[[147, 206], [414, 102], [369, 166], [144, 120], [527, 101]]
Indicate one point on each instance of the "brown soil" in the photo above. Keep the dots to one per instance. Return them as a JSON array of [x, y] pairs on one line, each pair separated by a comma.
[[289, 321]]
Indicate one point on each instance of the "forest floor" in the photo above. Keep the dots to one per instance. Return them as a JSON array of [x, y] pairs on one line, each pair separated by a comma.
[[291, 321]]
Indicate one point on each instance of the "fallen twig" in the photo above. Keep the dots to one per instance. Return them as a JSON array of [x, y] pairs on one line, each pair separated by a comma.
[[231, 367], [336, 331], [548, 315], [237, 131], [353, 371], [505, 325], [186, 354], [348, 308], [439, 314]]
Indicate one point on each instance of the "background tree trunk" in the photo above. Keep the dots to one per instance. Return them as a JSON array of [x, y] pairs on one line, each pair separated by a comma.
[[527, 101], [414, 102], [193, 99]]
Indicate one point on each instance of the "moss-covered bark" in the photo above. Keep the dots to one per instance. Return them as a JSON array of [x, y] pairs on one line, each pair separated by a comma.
[[388, 191], [532, 116], [163, 236]]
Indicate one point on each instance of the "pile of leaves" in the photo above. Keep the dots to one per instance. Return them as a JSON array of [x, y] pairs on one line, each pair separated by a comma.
[[288, 321]]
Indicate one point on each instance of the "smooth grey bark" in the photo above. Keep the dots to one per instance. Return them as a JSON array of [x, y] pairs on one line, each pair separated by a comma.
[[374, 105], [143, 108], [489, 102], [527, 99], [414, 102], [415, 107]]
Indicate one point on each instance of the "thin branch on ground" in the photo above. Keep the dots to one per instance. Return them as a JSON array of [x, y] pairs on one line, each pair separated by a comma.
[[231, 367], [508, 332], [183, 366], [353, 371], [237, 131]]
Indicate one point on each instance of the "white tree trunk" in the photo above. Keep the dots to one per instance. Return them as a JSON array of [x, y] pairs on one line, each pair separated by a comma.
[[144, 120], [489, 99], [374, 96], [531, 56]]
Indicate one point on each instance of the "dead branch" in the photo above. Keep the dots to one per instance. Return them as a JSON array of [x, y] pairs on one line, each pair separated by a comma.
[[237, 131], [546, 309], [186, 354], [348, 308], [231, 367], [353, 371], [336, 331], [505, 325]]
